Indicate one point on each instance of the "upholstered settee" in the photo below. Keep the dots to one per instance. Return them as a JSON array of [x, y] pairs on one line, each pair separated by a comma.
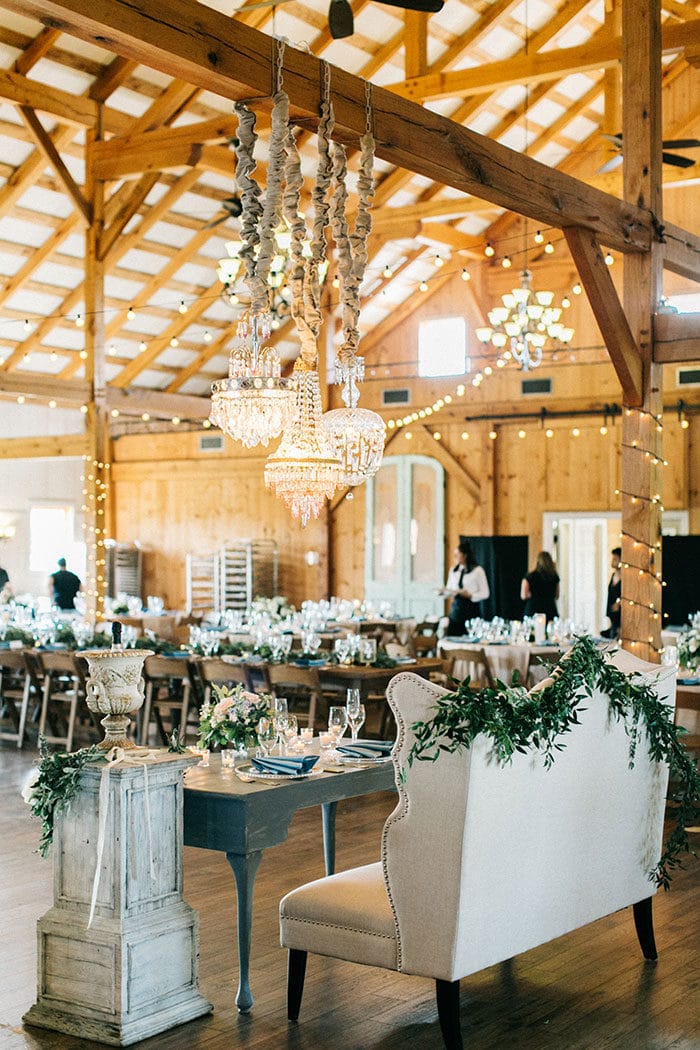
[[482, 861]]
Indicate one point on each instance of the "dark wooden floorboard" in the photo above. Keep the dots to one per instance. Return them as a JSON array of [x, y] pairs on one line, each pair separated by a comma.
[[590, 990]]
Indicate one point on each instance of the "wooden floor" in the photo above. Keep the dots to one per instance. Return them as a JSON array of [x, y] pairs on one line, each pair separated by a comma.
[[590, 989]]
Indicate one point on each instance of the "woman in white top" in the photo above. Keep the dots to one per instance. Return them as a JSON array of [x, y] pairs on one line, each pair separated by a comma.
[[467, 586]]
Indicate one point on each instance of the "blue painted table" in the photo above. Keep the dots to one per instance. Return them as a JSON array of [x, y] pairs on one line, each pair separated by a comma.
[[242, 819]]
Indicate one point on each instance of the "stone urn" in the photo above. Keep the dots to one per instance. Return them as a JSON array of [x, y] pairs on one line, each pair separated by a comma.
[[115, 688]]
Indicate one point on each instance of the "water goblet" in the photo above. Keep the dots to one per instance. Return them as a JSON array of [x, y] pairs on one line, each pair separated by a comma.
[[291, 729], [356, 718], [352, 701], [337, 722], [267, 734]]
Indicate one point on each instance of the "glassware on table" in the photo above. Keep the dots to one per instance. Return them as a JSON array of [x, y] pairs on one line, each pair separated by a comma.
[[368, 650], [155, 605], [341, 648], [280, 716], [306, 734], [286, 640], [326, 741], [291, 730], [337, 722], [669, 655], [267, 735], [203, 753], [356, 720], [228, 758]]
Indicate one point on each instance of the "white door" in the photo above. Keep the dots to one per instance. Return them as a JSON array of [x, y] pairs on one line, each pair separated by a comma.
[[580, 544], [404, 535]]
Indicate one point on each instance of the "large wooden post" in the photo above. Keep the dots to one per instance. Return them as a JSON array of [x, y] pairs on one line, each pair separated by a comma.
[[642, 426], [96, 475]]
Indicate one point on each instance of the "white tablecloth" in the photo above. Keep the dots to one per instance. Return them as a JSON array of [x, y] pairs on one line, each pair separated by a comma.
[[503, 659]]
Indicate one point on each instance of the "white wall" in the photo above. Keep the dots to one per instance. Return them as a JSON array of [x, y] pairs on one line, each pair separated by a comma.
[[27, 482]]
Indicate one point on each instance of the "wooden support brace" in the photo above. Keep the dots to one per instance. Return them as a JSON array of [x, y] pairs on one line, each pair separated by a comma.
[[47, 147], [608, 311]]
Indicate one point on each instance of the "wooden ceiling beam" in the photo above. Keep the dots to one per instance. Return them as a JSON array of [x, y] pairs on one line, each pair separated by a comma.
[[390, 218], [608, 312], [533, 68], [64, 445], [158, 346], [160, 149], [77, 110], [46, 146], [415, 43], [681, 11], [194, 368], [28, 384], [135, 402], [182, 38], [34, 52], [681, 251], [676, 338]]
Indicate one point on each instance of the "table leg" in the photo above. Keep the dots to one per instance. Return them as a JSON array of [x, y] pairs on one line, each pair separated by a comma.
[[245, 867], [328, 811]]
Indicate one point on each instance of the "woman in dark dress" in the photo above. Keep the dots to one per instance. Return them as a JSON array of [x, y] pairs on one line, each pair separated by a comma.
[[540, 588]]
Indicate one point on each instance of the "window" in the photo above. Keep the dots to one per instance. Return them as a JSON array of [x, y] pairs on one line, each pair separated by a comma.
[[687, 304], [442, 347], [51, 536]]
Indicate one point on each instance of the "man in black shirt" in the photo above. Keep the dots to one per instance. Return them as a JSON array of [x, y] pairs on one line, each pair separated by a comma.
[[612, 607], [63, 586]]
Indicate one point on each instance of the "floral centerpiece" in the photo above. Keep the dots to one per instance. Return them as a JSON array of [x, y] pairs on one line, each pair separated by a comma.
[[689, 644], [232, 718], [276, 608]]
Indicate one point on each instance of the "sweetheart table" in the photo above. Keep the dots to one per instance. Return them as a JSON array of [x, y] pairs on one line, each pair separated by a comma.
[[241, 819]]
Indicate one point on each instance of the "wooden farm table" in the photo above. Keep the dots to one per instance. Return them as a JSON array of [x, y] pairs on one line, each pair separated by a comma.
[[373, 679], [242, 819]]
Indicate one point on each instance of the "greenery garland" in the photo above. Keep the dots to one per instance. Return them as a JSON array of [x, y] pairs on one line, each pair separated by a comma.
[[55, 785], [516, 720]]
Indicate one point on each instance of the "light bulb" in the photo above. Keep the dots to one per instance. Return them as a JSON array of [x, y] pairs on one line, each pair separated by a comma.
[[489, 250]]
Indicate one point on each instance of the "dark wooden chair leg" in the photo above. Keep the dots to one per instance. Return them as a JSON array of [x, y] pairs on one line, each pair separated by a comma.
[[296, 971], [447, 995], [644, 925]]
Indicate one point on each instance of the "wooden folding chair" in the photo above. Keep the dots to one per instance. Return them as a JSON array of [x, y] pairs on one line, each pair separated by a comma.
[[473, 662], [168, 685], [62, 686], [15, 689], [212, 670], [298, 684]]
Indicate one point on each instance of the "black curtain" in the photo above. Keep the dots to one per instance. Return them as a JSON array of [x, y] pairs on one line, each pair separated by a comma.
[[681, 568], [504, 560]]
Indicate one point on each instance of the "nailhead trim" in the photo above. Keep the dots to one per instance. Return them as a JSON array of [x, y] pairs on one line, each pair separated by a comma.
[[335, 926]]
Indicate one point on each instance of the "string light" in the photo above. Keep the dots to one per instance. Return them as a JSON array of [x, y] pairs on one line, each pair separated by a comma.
[[423, 286], [608, 259], [539, 237], [577, 289], [466, 276], [387, 273], [439, 262], [549, 248], [130, 313], [489, 251], [182, 308], [506, 262]]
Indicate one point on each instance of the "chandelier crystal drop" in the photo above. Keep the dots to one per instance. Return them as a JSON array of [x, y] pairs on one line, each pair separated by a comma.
[[356, 435], [303, 471], [255, 403], [523, 326]]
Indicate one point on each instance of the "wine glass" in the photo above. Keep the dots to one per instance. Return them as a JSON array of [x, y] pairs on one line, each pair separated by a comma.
[[337, 723], [291, 729], [267, 734], [356, 718], [280, 715]]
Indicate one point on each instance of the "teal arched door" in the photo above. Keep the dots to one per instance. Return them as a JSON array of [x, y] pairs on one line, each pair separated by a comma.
[[405, 535]]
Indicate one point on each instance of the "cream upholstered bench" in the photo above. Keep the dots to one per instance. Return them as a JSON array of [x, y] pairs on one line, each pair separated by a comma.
[[481, 861]]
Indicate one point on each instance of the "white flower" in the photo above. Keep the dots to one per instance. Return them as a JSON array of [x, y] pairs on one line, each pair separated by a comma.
[[30, 783]]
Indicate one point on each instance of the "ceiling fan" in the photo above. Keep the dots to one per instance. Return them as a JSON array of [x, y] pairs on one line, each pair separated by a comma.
[[340, 18], [667, 158]]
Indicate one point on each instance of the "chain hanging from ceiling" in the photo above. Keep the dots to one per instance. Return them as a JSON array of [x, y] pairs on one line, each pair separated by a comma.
[[254, 404], [357, 435]]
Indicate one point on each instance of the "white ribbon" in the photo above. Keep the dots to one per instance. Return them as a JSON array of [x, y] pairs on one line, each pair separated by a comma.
[[115, 757]]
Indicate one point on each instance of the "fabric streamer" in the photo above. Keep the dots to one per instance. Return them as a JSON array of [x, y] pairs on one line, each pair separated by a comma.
[[118, 756]]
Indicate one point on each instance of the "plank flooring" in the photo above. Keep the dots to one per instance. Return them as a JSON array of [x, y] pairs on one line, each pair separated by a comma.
[[590, 989]]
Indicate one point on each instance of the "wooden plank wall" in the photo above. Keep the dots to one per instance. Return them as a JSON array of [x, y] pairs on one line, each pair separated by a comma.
[[174, 500]]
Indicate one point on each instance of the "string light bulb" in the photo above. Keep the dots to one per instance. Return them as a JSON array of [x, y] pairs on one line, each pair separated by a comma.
[[466, 276], [539, 237], [489, 250]]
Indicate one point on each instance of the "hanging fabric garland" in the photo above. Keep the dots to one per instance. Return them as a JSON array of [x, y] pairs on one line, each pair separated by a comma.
[[357, 435], [255, 402], [303, 471]]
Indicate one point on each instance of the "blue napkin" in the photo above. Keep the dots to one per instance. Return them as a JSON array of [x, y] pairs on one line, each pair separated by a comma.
[[688, 681], [310, 661], [367, 749], [280, 764]]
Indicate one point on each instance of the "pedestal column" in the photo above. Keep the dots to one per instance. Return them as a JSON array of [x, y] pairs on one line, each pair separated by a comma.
[[134, 972]]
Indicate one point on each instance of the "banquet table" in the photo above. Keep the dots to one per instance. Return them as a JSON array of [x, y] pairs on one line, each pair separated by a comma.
[[504, 658], [241, 819], [373, 679]]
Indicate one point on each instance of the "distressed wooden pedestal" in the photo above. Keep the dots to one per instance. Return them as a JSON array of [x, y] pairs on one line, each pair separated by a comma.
[[135, 971]]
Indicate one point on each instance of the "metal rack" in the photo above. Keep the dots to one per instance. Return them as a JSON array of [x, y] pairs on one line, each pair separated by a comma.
[[230, 579], [124, 565]]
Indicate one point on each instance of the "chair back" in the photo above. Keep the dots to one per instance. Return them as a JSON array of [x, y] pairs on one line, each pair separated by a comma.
[[472, 662], [297, 683], [213, 669], [166, 667], [13, 660], [60, 661], [483, 861]]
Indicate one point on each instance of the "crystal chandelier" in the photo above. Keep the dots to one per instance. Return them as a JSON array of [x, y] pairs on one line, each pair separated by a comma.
[[255, 403], [356, 435], [304, 471], [523, 326]]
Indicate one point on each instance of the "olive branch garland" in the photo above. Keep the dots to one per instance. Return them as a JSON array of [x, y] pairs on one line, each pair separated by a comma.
[[518, 721], [55, 786]]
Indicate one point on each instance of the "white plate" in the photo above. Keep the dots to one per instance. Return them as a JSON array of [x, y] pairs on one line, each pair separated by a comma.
[[353, 760], [249, 772]]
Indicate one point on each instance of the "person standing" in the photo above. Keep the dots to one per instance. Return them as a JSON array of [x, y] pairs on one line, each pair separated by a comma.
[[613, 605], [540, 588], [63, 586], [5, 588], [466, 585]]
